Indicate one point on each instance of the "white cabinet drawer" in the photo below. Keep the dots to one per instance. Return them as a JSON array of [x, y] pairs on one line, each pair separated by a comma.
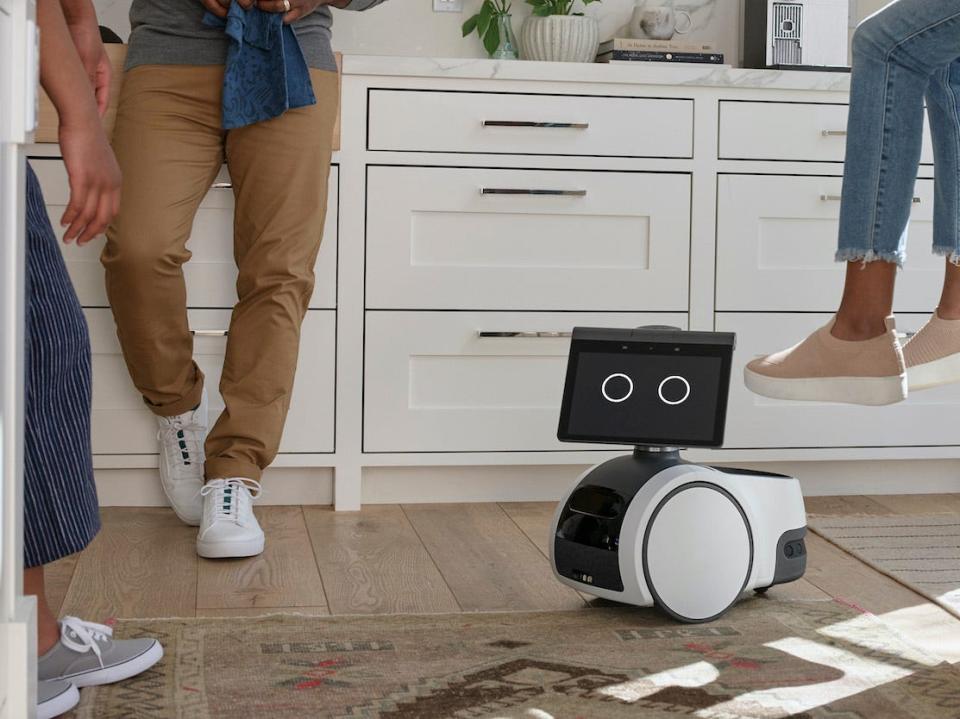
[[436, 241], [758, 422], [777, 238], [528, 124], [796, 131], [432, 384], [123, 425], [211, 274]]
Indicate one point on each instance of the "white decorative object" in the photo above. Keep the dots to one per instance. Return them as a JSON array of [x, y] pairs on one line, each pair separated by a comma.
[[659, 23], [560, 38]]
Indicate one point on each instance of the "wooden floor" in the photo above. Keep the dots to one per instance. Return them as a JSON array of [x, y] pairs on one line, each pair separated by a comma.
[[409, 559]]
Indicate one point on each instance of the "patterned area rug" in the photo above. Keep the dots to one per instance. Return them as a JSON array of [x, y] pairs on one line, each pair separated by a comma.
[[766, 659], [922, 552]]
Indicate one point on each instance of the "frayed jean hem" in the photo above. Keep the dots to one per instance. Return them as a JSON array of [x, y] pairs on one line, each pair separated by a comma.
[[950, 252], [851, 254]]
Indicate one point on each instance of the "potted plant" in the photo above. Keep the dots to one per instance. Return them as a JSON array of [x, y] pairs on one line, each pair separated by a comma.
[[494, 25], [555, 33]]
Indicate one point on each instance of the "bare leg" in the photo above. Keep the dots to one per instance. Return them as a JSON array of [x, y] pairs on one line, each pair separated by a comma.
[[949, 308], [868, 300], [48, 631]]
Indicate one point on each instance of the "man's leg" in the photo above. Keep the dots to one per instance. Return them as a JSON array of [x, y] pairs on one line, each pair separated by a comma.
[[279, 170], [169, 144]]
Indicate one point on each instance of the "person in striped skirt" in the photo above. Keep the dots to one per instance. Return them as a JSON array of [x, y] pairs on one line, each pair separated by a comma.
[[61, 513]]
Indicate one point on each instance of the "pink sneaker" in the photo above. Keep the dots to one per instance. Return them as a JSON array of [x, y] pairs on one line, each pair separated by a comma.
[[933, 354], [823, 368]]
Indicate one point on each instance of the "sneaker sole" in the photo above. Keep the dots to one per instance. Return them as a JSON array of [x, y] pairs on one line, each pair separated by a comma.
[[868, 391], [230, 550], [945, 370], [60, 704], [119, 672]]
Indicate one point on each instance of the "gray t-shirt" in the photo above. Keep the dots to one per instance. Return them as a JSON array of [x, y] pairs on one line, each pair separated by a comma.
[[171, 32]]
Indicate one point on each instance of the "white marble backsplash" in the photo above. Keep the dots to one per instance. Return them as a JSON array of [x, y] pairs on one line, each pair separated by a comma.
[[425, 33]]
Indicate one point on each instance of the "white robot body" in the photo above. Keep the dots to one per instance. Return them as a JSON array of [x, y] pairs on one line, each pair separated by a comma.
[[690, 540], [649, 528]]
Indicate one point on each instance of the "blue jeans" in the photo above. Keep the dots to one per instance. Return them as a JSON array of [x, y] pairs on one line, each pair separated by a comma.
[[904, 54]]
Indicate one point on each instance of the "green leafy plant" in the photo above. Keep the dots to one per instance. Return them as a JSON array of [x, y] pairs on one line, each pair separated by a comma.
[[543, 8], [485, 24]]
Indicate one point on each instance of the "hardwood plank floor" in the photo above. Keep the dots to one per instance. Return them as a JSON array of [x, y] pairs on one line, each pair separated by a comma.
[[285, 575], [142, 564], [323, 611], [489, 563], [421, 559], [534, 519], [373, 562]]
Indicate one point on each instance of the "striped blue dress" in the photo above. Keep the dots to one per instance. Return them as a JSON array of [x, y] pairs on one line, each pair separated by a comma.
[[61, 515]]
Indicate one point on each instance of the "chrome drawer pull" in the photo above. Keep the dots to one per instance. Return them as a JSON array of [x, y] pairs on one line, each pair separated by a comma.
[[548, 125], [541, 193], [839, 198], [221, 186], [543, 335], [833, 133], [210, 333]]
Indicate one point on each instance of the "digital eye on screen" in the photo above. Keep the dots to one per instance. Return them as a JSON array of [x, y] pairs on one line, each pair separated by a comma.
[[621, 389], [674, 390]]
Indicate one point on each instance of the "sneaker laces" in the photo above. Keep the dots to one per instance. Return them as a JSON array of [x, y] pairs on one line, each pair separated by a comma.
[[230, 497], [83, 637], [179, 437]]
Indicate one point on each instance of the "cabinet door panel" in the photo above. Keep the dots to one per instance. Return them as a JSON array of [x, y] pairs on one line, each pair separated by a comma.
[[432, 384], [436, 241]]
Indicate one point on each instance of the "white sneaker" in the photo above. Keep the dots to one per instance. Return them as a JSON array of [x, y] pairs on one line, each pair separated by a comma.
[[181, 461], [229, 527]]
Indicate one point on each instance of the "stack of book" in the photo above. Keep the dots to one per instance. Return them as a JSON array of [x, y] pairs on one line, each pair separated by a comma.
[[623, 50]]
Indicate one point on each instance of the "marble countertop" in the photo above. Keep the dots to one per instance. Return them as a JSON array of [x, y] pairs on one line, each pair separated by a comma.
[[641, 74]]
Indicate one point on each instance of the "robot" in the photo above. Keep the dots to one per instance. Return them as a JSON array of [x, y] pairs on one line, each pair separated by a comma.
[[650, 528]]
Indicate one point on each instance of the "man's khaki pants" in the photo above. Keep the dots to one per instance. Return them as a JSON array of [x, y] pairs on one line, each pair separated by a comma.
[[170, 146]]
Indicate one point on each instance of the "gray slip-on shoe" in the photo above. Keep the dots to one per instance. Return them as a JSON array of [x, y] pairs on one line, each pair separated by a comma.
[[88, 655]]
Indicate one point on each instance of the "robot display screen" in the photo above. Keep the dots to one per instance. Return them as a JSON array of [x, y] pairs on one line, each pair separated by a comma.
[[650, 395]]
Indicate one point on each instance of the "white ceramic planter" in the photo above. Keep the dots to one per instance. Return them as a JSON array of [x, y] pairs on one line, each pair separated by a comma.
[[560, 38]]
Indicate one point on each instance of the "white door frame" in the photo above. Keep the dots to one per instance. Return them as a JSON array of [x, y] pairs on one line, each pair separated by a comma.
[[18, 96]]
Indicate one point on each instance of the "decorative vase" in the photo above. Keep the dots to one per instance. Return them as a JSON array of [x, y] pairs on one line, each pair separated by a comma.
[[560, 38], [507, 49]]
